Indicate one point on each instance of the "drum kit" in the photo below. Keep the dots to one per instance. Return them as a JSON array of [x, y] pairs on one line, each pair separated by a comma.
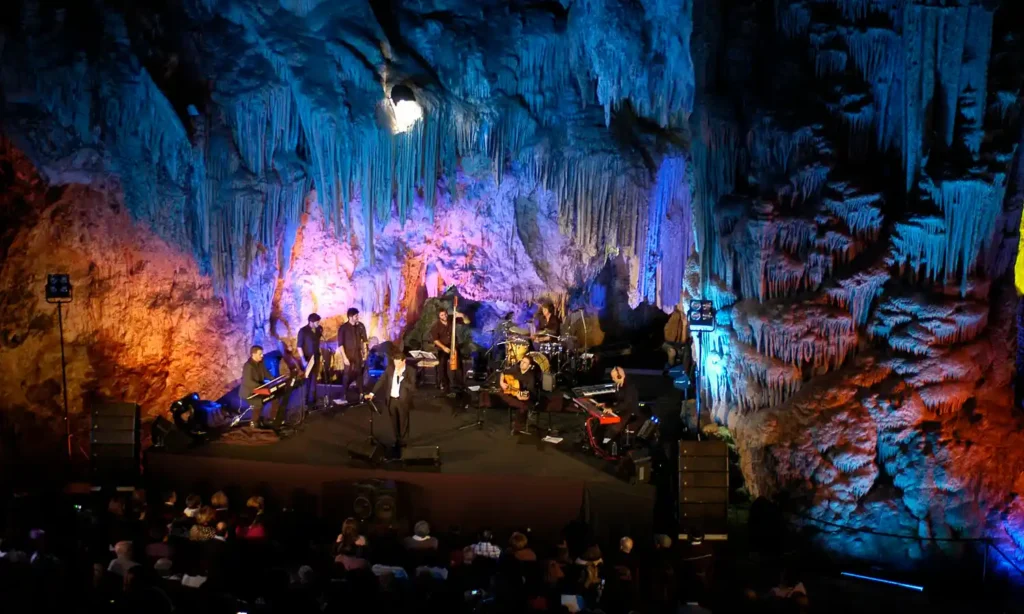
[[557, 355]]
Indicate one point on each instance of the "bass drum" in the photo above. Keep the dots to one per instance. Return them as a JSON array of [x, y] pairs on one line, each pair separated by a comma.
[[541, 361], [517, 349]]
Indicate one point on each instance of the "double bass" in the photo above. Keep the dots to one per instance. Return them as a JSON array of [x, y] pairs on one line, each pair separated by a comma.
[[453, 360]]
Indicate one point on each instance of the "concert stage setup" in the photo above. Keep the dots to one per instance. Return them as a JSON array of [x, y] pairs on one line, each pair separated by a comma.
[[486, 476]]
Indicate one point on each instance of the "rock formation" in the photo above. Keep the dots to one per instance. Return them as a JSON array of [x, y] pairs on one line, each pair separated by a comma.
[[841, 178]]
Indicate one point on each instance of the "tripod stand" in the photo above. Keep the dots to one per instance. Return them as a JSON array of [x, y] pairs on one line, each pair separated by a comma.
[[372, 438]]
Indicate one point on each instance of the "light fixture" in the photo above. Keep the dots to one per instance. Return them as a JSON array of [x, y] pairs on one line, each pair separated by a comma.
[[407, 110], [913, 587]]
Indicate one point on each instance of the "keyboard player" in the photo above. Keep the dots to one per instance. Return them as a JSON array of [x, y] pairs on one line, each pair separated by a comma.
[[626, 405], [254, 375]]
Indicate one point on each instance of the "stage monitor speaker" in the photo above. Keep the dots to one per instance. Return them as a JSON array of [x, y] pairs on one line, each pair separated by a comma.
[[372, 452], [114, 442], [168, 436], [704, 487], [422, 455]]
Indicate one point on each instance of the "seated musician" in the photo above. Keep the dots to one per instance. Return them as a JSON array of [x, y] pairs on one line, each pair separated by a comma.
[[548, 324], [518, 391], [627, 404], [254, 375]]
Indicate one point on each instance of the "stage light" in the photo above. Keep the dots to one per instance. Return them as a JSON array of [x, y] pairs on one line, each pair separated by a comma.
[[405, 107], [912, 587]]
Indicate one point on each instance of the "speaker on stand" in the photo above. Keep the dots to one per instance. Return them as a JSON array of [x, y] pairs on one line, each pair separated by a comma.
[[114, 443]]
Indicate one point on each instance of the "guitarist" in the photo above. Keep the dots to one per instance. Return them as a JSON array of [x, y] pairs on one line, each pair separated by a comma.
[[441, 335], [518, 385]]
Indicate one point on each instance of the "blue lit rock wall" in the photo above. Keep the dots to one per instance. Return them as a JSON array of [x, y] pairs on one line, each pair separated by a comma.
[[857, 190]]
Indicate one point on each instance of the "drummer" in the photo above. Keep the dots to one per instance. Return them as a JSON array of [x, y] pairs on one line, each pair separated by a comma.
[[548, 324]]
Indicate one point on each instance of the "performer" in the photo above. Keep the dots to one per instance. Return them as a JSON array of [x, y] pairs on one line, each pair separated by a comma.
[[548, 324], [441, 336], [396, 387], [254, 375], [677, 340], [627, 402], [520, 395], [354, 348], [309, 350]]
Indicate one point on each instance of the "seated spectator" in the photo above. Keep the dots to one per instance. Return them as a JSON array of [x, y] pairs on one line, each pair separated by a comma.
[[158, 548], [169, 508], [122, 559], [421, 540], [140, 506], [203, 529], [193, 503], [219, 502], [486, 546], [789, 588], [519, 549], [589, 574], [350, 542], [252, 527]]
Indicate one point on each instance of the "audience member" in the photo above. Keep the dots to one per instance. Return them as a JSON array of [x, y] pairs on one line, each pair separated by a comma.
[[192, 505], [519, 549], [251, 525], [122, 559], [421, 539], [486, 546], [203, 529]]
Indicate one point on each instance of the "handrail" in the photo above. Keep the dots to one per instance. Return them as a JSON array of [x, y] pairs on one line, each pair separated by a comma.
[[988, 541]]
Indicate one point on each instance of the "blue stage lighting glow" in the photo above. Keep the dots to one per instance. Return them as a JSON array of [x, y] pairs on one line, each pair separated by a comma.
[[913, 587]]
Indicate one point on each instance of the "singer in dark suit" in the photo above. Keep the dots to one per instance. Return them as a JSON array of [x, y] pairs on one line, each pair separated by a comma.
[[396, 388]]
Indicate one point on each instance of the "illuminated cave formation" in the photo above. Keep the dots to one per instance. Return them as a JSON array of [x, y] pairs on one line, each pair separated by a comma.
[[841, 178]]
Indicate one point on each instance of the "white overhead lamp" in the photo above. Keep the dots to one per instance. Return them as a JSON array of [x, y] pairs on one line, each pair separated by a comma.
[[405, 107]]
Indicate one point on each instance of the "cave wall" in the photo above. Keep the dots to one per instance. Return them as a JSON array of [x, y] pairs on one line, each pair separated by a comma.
[[857, 193], [241, 154]]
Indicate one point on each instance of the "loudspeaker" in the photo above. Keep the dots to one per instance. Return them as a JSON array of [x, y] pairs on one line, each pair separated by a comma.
[[366, 451], [422, 455], [114, 442], [168, 436], [704, 487], [376, 501]]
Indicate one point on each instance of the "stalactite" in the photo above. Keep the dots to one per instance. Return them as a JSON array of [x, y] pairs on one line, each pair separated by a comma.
[[861, 212], [669, 234], [817, 335], [857, 293], [970, 207]]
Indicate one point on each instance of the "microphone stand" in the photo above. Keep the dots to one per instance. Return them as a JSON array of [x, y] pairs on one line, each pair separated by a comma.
[[373, 410]]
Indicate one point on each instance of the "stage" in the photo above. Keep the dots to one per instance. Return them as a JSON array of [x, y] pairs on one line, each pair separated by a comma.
[[487, 476]]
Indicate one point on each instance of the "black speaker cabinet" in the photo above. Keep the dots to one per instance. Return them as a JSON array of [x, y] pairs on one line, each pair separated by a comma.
[[372, 452], [114, 442], [376, 501], [422, 455], [704, 487]]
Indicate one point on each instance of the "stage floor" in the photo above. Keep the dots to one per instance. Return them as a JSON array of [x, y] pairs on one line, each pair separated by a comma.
[[435, 420]]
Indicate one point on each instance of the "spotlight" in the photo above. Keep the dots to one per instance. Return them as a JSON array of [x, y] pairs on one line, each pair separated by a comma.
[[407, 110]]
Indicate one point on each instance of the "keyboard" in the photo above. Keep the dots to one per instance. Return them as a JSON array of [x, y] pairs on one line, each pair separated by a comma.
[[596, 411], [593, 391], [274, 387]]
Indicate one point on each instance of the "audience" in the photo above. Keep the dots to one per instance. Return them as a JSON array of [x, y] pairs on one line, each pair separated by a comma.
[[212, 558]]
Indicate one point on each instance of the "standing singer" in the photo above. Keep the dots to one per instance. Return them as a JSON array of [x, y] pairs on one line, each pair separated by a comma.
[[396, 387], [309, 350], [354, 348]]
